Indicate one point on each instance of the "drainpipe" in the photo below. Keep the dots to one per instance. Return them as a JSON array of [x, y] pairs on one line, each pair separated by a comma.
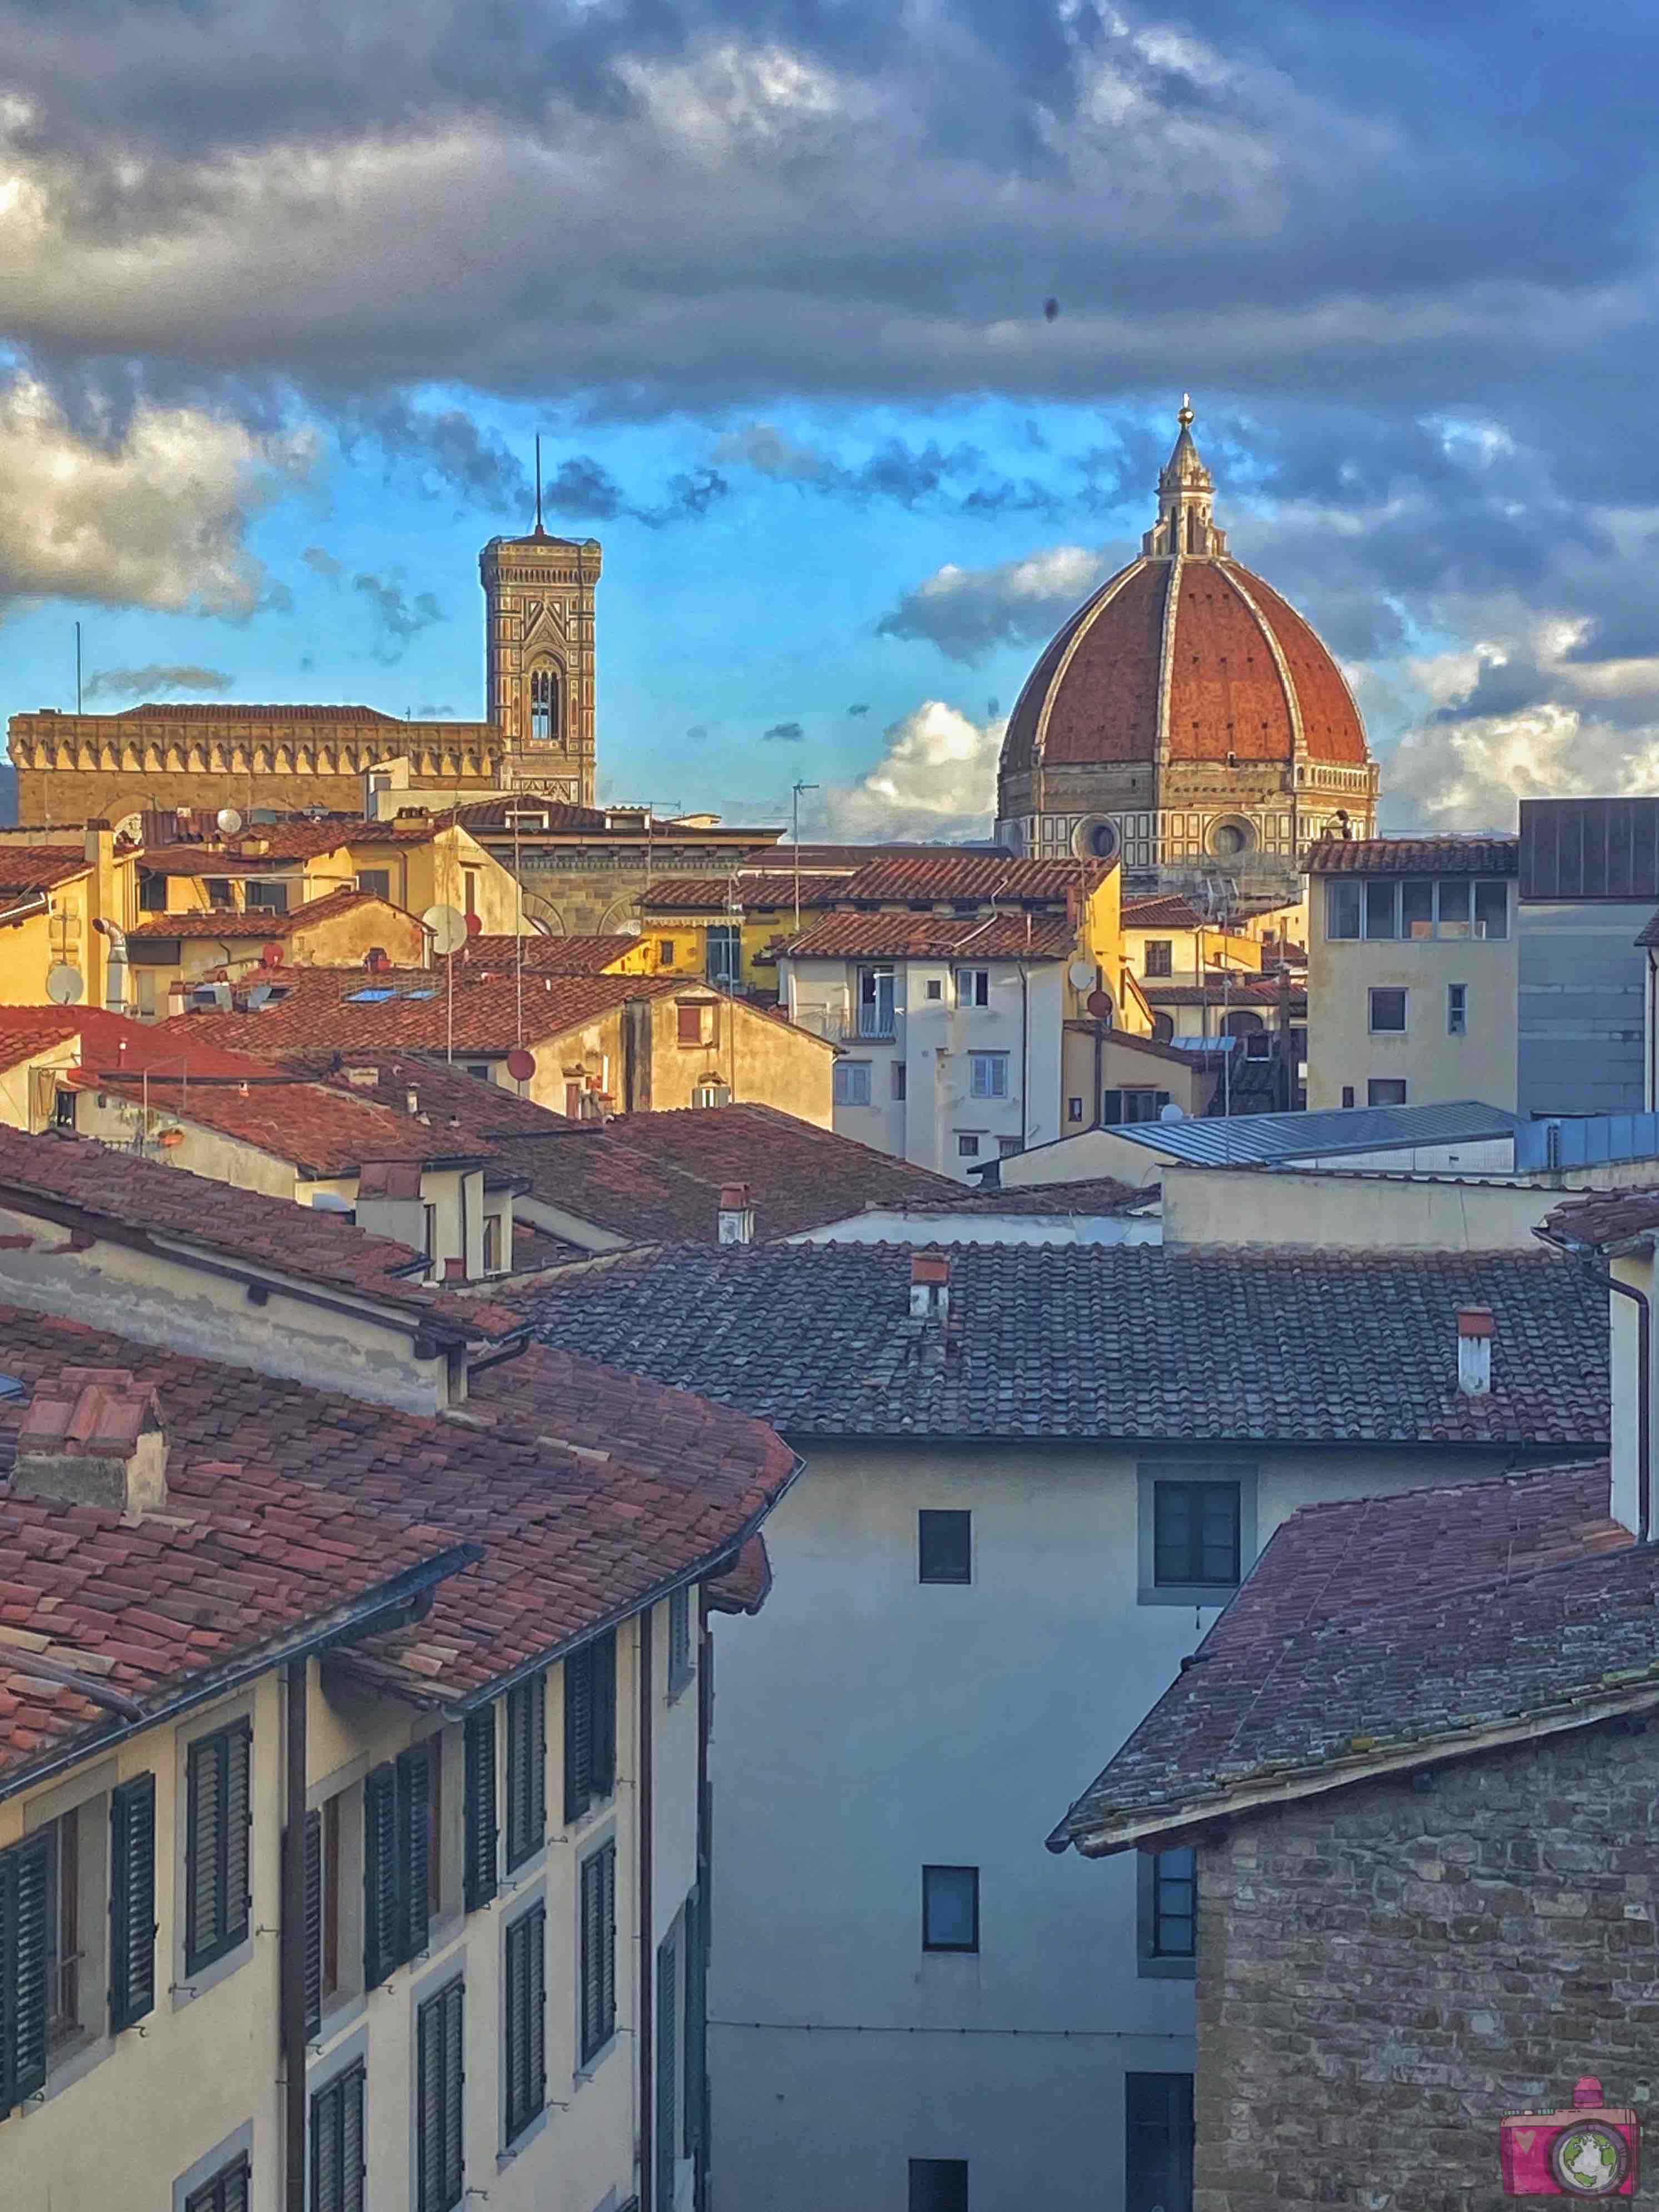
[[115, 968], [1600, 1271], [293, 1961], [647, 1946], [1025, 1056]]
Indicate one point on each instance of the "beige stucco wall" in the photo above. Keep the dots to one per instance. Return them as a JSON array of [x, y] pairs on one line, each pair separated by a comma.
[[766, 1061], [1304, 1209], [1123, 1068], [1434, 1066], [18, 1104]]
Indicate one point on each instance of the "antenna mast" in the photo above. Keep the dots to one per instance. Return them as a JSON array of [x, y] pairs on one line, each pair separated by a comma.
[[539, 485]]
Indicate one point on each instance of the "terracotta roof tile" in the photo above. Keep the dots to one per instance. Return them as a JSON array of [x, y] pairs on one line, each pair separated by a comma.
[[254, 922], [883, 935], [548, 955], [1166, 912], [26, 1031], [25, 868], [969, 875], [230, 713], [1413, 856], [753, 890], [1609, 1217]]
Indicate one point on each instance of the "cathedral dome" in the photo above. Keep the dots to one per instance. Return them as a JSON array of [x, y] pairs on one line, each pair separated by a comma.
[[1183, 656]]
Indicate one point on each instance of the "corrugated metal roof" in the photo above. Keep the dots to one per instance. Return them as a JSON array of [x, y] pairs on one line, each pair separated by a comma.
[[1265, 1138]]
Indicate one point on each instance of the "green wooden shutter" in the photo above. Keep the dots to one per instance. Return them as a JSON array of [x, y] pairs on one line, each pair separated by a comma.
[[313, 1922], [608, 1862], [527, 1946], [578, 1733], [204, 1824], [239, 1833], [667, 2061], [439, 2119], [536, 2057], [25, 1883], [415, 1842], [353, 2164], [380, 1900], [454, 2092], [697, 2019], [605, 1710], [132, 1901], [480, 1755]]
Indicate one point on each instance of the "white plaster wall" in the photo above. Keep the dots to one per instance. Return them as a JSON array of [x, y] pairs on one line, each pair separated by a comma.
[[1306, 1209], [867, 1724], [893, 1225]]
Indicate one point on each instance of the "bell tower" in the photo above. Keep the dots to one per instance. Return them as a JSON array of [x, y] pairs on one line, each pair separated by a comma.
[[538, 656]]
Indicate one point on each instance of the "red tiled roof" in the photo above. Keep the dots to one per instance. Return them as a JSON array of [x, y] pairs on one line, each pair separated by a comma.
[[490, 815], [206, 711], [753, 890], [139, 1195], [940, 937], [26, 1031], [25, 868], [548, 955], [1237, 990], [984, 875], [837, 858], [1164, 912], [746, 1584], [316, 1127], [1126, 1040], [117, 1043], [254, 922], [1413, 856], [586, 1491], [1609, 1217]]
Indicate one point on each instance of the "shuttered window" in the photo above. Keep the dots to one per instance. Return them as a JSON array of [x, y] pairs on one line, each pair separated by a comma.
[[590, 1726], [524, 2027], [337, 2170], [680, 1638], [668, 2059], [397, 1862], [480, 1845], [227, 2192], [24, 1899], [696, 2017], [313, 1923], [441, 2091], [132, 1901], [599, 1959], [218, 1816], [526, 1769]]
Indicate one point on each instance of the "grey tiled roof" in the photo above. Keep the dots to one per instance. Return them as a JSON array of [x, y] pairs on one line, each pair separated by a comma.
[[1380, 1627], [1132, 1341]]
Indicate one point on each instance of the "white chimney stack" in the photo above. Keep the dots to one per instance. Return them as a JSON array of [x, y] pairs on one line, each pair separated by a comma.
[[736, 1215], [1474, 1326], [930, 1287]]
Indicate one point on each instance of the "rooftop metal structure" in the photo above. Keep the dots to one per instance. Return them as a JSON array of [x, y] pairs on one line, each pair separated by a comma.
[[1265, 1139]]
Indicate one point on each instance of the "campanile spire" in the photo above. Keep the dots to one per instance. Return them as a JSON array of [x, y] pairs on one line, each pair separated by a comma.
[[1185, 491]]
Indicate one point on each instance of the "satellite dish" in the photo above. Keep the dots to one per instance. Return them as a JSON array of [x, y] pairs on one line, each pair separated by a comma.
[[448, 928], [229, 820], [475, 925], [520, 1063], [1172, 1112], [65, 986], [1082, 974], [270, 955], [1100, 1005]]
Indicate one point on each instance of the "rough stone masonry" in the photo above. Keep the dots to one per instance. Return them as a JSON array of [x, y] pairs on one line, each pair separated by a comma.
[[1384, 1972]]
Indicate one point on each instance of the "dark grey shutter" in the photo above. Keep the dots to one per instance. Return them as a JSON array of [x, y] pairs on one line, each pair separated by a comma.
[[525, 2019], [313, 1928], [238, 1829], [667, 2061], [696, 2017], [536, 2067], [454, 2092], [234, 2195], [480, 1734], [438, 2158], [593, 1958], [604, 1711], [353, 2165], [379, 1875], [608, 1862], [25, 1882], [203, 1831], [132, 1901], [415, 1820], [578, 1733]]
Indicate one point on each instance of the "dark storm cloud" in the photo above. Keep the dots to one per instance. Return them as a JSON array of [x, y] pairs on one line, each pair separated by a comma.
[[788, 733], [863, 707], [956, 480], [154, 680], [401, 617]]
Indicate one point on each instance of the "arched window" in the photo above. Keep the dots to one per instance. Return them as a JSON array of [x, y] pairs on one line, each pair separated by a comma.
[[546, 705], [1241, 1021]]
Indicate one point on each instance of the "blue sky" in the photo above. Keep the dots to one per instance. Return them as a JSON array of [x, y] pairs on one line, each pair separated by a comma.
[[287, 290]]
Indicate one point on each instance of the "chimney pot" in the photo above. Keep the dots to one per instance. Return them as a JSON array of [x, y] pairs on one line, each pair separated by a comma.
[[455, 1271], [412, 1101], [736, 1217], [930, 1286], [93, 1435], [1474, 1335]]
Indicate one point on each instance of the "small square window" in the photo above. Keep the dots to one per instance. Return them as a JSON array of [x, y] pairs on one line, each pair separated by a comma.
[[1347, 1094], [1160, 955], [1007, 1147], [1385, 1091], [1195, 1535], [950, 1908], [939, 2185], [377, 882], [988, 1074], [1388, 1010], [945, 1546], [966, 1146], [666, 951], [973, 986], [935, 987], [851, 1083], [1074, 1110]]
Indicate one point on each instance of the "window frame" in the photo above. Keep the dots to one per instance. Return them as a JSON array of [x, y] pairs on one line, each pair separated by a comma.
[[1376, 1082], [843, 1084], [442, 2015], [1159, 956], [1457, 1010], [968, 1144], [1364, 895], [973, 986], [985, 1070], [1150, 1474], [349, 2082], [931, 1516], [596, 1973], [957, 1950], [232, 1933], [1154, 1961], [1376, 991]]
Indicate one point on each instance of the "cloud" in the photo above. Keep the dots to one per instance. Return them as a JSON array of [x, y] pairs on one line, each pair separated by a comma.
[[402, 617], [956, 479], [863, 707], [154, 680], [152, 512], [323, 564], [788, 733], [442, 448], [934, 783], [966, 611], [432, 713], [697, 735]]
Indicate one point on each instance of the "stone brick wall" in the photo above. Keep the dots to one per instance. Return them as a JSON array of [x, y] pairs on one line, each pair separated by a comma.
[[1384, 1973]]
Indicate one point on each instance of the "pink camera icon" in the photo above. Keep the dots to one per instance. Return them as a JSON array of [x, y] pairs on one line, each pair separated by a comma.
[[1590, 2149]]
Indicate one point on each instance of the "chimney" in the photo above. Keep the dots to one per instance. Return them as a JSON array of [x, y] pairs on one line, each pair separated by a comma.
[[930, 1287], [1474, 1351], [93, 1436], [737, 1216], [411, 1101]]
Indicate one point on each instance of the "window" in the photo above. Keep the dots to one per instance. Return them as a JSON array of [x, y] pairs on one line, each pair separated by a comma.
[[469, 891], [377, 882], [264, 898], [524, 1992], [1195, 1535], [696, 1022], [851, 1081], [1160, 955], [1457, 1009], [397, 1862], [1158, 2111], [1417, 907], [1342, 907], [973, 986], [679, 1638], [666, 951], [478, 1850], [944, 1546], [708, 1095], [599, 1948], [1007, 1147], [1388, 1010], [337, 2167], [132, 1901], [1492, 910], [590, 1726], [218, 893], [545, 719], [1168, 1915], [429, 1235], [1120, 1106], [1381, 910], [934, 987], [440, 2080], [1074, 1110], [492, 1244], [1385, 1091], [225, 2191], [950, 1908], [988, 1075], [218, 1815], [1347, 1094], [573, 1102], [898, 1077], [939, 2185], [62, 1108], [967, 1144], [723, 961], [526, 1769], [875, 1002], [152, 892]]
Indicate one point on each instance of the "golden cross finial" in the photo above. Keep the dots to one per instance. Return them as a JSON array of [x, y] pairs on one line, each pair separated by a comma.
[[1185, 415]]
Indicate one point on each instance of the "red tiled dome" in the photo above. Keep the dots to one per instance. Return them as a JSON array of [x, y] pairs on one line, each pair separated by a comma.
[[1241, 664]]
